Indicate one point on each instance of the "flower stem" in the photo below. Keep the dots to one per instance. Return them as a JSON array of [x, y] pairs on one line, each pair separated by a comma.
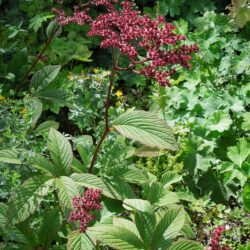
[[106, 118]]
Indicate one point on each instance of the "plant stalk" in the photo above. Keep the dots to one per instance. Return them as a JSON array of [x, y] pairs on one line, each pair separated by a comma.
[[106, 118]]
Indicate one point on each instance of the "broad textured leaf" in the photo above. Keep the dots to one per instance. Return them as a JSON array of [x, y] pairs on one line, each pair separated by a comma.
[[169, 178], [36, 107], [51, 223], [28, 198], [127, 224], [116, 237], [44, 77], [67, 189], [117, 191], [148, 152], [60, 150], [219, 121], [185, 245], [46, 126], [169, 226], [144, 217], [80, 241], [43, 164], [239, 153], [246, 123], [135, 175], [57, 96], [146, 128], [53, 29], [9, 156]]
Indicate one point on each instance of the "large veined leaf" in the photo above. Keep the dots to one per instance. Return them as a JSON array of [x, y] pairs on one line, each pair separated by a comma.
[[28, 198], [44, 77], [135, 175], [169, 178], [144, 217], [185, 245], [51, 223], [36, 107], [60, 150], [67, 189], [46, 126], [80, 241], [168, 227], [9, 156], [146, 128], [116, 237], [117, 191]]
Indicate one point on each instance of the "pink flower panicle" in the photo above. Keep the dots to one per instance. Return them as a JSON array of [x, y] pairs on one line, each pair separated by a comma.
[[83, 206], [215, 241], [137, 36]]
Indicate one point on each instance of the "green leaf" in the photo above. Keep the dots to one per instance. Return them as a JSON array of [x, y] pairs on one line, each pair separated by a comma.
[[36, 108], [28, 198], [116, 237], [119, 190], [9, 156], [80, 241], [46, 126], [135, 175], [219, 121], [42, 163], [60, 150], [67, 189], [169, 178], [246, 123], [185, 245], [44, 77], [51, 29], [168, 227], [51, 224], [144, 217], [146, 128], [239, 153], [246, 197]]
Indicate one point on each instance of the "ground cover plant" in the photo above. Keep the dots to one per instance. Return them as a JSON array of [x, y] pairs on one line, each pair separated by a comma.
[[124, 125]]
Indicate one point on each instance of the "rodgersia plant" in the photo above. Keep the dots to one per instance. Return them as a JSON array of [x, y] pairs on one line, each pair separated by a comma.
[[150, 45]]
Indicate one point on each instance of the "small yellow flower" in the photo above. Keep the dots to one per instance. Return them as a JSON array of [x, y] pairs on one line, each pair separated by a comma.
[[23, 111], [119, 93], [96, 71], [70, 76], [2, 98]]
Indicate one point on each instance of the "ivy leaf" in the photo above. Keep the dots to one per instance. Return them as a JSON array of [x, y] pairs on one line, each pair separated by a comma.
[[60, 150], [146, 128], [239, 153], [28, 198], [44, 77]]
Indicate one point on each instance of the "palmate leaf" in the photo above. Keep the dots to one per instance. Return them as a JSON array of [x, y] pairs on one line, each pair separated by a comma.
[[146, 128], [185, 245], [116, 237], [80, 241], [28, 198], [44, 77], [67, 189], [60, 150]]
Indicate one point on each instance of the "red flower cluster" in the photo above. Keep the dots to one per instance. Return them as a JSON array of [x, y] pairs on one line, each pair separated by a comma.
[[215, 241], [83, 206], [136, 36]]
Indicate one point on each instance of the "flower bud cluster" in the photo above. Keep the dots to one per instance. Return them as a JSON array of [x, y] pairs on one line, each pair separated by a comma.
[[83, 206], [215, 241], [137, 36]]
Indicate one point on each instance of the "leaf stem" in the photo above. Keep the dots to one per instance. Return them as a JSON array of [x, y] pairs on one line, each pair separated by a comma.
[[37, 59], [106, 117]]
